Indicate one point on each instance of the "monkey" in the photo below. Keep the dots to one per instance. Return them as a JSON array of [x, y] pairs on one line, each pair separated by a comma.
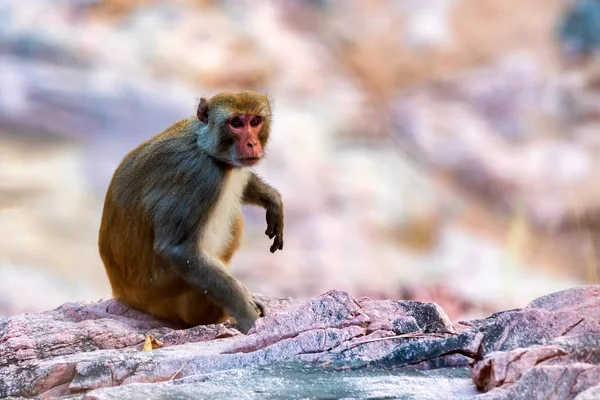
[[172, 221]]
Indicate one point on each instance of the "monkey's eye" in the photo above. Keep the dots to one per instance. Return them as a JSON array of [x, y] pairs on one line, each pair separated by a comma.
[[255, 121], [236, 122]]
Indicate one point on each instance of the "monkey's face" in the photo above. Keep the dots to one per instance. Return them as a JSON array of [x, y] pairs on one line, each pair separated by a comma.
[[244, 131], [237, 127]]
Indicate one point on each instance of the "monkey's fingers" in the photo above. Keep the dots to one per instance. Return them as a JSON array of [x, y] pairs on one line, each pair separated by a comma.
[[274, 222], [261, 308], [273, 230], [277, 244], [247, 316]]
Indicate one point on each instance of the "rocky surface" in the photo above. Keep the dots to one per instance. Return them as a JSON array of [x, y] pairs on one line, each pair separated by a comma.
[[96, 350], [549, 349]]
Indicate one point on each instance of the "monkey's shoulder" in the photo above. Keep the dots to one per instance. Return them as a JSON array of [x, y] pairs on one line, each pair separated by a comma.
[[170, 161], [177, 146], [178, 140], [185, 129]]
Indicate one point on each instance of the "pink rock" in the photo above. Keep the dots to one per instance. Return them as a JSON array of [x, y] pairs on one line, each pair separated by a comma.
[[549, 347], [81, 347]]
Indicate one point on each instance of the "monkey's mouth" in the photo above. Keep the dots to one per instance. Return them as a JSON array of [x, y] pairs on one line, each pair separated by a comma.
[[248, 161]]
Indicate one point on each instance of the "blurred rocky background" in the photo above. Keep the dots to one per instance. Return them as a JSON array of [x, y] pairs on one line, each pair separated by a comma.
[[438, 150]]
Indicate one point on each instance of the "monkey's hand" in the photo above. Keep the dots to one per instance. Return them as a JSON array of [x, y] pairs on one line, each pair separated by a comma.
[[275, 226], [246, 316], [262, 308]]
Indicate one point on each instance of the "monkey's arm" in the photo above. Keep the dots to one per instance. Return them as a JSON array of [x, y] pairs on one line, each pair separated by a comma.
[[175, 242], [259, 193]]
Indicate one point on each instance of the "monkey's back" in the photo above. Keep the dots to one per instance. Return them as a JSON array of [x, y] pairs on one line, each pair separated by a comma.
[[164, 176]]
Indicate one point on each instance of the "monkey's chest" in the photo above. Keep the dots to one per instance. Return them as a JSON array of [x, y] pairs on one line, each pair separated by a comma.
[[219, 229]]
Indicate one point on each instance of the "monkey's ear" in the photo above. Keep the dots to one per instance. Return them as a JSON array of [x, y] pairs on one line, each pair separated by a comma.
[[202, 112]]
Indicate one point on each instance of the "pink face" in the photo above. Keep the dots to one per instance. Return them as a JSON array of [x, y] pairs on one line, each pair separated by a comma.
[[246, 128]]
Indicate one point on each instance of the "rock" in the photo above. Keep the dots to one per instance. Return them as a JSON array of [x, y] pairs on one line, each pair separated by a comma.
[[94, 350], [566, 366], [583, 299], [81, 347], [569, 312], [589, 394], [555, 381], [551, 347]]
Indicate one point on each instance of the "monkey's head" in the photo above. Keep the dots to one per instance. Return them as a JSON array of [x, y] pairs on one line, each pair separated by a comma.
[[236, 127]]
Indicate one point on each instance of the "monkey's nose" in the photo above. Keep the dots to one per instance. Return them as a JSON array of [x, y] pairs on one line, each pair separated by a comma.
[[251, 144]]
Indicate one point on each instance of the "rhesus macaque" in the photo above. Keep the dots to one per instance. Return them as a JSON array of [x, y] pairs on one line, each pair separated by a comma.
[[172, 214]]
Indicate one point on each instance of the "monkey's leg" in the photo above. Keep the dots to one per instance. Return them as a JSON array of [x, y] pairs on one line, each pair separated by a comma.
[[235, 241], [205, 273], [197, 309], [188, 308]]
